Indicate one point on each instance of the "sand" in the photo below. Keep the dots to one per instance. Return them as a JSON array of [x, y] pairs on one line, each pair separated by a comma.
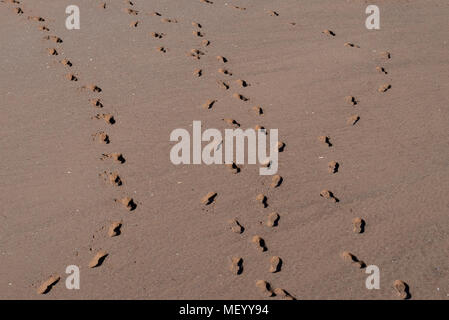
[[153, 67]]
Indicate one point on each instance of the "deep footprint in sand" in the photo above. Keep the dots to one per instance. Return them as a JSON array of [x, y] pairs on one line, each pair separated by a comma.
[[351, 100], [161, 49], [264, 288], [235, 226], [128, 203], [328, 32], [381, 70], [242, 83], [325, 140], [352, 120], [259, 243], [134, 24], [358, 225], [98, 259], [385, 87], [223, 85], [52, 52], [272, 220], [43, 28], [281, 146], [351, 45], [326, 194], [198, 72], [209, 198], [48, 284], [209, 104], [197, 25], [157, 35], [112, 177], [102, 137], [275, 264], [38, 19], [118, 157], [239, 97], [257, 110], [333, 166], [283, 294], [131, 11], [53, 38], [232, 167], [276, 181], [92, 87], [236, 265], [108, 118], [262, 199], [350, 258], [205, 43], [198, 33], [66, 62], [402, 289], [225, 71], [232, 122], [115, 229], [96, 103], [385, 55], [273, 13], [168, 20], [222, 59], [71, 77]]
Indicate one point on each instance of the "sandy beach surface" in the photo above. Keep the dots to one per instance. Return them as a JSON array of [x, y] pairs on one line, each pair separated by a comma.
[[59, 195]]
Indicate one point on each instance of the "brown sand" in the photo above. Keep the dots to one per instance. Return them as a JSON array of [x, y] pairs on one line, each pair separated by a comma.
[[394, 163]]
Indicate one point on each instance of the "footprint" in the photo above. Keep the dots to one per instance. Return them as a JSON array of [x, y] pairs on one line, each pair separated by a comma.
[[109, 118], [66, 62], [275, 264], [261, 128], [18, 11], [154, 13], [333, 167], [381, 70], [167, 20], [96, 103], [198, 72], [98, 259], [328, 32], [157, 35], [325, 140], [161, 49], [353, 119], [52, 52], [113, 178], [385, 55], [102, 137], [223, 84], [127, 202], [326, 194], [102, 5], [209, 104], [384, 87], [207, 1], [264, 288], [349, 257], [258, 110], [358, 225], [48, 284], [349, 44], [225, 71], [115, 229], [276, 181], [272, 220], [262, 199], [134, 24], [273, 13], [198, 33], [236, 265], [131, 11], [92, 87], [351, 100], [197, 25], [260, 243], [205, 43], [39, 19], [195, 53], [43, 28], [402, 289], [242, 83], [235, 226], [71, 77], [118, 157], [281, 146], [53, 38], [240, 97], [238, 8], [232, 122], [222, 59], [233, 168], [283, 294], [209, 198]]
